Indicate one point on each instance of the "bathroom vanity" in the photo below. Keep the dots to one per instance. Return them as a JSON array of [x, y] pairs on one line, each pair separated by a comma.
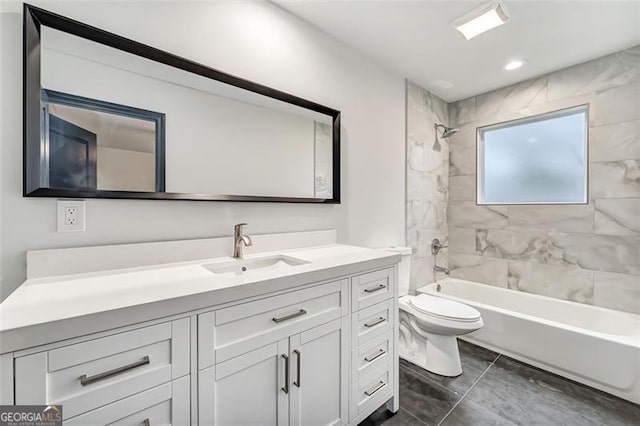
[[300, 336]]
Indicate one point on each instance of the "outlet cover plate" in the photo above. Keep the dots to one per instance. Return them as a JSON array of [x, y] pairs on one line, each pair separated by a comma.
[[76, 222]]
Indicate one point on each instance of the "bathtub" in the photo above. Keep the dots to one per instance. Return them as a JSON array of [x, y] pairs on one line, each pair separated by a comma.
[[591, 345]]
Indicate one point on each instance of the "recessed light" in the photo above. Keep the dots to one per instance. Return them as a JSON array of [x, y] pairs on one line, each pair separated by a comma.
[[514, 65], [481, 19]]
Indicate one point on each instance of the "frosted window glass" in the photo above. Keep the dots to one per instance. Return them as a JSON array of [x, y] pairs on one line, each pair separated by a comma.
[[534, 160]]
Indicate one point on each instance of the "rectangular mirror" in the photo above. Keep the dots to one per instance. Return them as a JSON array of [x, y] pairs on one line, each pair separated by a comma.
[[108, 117]]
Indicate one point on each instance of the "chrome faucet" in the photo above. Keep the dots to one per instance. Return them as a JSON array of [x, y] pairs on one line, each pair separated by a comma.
[[437, 268], [239, 241]]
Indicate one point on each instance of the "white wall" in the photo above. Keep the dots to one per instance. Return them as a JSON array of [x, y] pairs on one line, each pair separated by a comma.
[[254, 40]]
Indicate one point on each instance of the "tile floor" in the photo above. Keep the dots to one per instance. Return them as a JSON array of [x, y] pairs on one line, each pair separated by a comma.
[[497, 390]]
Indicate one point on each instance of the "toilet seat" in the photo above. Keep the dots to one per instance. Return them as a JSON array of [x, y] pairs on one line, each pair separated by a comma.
[[445, 309]]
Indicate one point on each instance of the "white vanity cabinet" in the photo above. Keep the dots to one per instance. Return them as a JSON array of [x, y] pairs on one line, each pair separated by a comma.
[[320, 385], [300, 380], [287, 356], [129, 367], [245, 389], [374, 320], [315, 354]]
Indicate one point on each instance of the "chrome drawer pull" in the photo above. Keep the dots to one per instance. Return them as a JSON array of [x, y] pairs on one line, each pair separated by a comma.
[[373, 290], [285, 388], [374, 322], [146, 422], [87, 380], [290, 316], [376, 356], [377, 388]]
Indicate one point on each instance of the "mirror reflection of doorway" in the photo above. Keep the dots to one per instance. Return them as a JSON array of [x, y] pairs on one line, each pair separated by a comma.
[[98, 145], [72, 155]]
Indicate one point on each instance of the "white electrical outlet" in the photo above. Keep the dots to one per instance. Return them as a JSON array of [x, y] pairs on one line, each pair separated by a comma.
[[71, 216]]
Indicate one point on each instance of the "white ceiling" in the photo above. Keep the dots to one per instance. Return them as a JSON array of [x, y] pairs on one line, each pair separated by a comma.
[[415, 38]]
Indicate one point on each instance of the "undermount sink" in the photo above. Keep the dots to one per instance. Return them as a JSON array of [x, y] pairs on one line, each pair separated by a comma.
[[253, 266]]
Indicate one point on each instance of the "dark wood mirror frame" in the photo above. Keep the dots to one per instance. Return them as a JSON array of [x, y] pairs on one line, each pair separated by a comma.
[[35, 17]]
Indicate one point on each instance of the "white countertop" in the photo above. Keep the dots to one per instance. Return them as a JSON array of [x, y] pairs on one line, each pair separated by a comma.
[[45, 310]]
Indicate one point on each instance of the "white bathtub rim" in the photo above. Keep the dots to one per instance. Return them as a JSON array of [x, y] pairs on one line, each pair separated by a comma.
[[621, 393], [630, 340], [536, 296]]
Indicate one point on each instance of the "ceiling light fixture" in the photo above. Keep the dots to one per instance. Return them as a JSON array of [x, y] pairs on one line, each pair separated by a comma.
[[514, 65], [481, 19]]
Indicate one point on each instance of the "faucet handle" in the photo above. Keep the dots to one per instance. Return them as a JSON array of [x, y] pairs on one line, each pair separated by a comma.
[[238, 227], [436, 246]]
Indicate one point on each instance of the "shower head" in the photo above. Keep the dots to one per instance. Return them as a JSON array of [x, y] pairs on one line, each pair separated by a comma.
[[447, 131]]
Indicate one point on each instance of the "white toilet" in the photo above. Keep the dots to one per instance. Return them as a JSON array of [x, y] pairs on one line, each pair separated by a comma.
[[429, 325]]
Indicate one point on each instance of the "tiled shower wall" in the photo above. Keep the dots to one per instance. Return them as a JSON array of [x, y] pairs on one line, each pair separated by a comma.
[[427, 182], [585, 253]]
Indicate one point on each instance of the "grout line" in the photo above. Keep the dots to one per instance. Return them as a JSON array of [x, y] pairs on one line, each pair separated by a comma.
[[433, 382], [467, 392], [413, 415]]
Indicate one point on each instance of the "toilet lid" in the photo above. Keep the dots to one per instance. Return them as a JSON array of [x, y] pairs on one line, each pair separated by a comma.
[[444, 308]]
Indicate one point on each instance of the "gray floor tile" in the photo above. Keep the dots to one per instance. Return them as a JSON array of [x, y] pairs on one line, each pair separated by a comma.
[[522, 402], [599, 406], [476, 356], [384, 417], [424, 399], [469, 414], [509, 393], [378, 417], [459, 385]]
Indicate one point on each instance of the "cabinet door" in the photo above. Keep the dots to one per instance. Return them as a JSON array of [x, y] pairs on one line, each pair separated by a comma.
[[249, 389], [319, 387]]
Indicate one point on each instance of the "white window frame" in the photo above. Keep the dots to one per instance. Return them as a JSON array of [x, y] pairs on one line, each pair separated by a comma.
[[480, 131]]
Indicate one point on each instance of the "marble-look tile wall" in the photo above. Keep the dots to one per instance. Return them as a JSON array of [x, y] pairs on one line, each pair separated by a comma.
[[585, 253], [427, 182]]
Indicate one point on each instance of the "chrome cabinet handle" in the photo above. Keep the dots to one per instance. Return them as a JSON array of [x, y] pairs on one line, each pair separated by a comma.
[[298, 358], [290, 316], [376, 356], [87, 380], [374, 322], [373, 290], [376, 389], [146, 422], [285, 388]]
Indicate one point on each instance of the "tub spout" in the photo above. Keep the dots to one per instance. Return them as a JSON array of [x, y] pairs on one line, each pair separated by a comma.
[[437, 268]]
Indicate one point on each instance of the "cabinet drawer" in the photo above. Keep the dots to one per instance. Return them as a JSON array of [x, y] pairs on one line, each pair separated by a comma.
[[97, 372], [371, 322], [372, 358], [167, 404], [371, 288], [372, 392], [239, 329]]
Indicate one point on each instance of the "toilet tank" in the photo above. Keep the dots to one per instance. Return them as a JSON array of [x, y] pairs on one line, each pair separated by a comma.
[[404, 268]]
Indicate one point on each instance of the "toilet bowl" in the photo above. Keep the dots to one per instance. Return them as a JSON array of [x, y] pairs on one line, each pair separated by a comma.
[[429, 326], [428, 329]]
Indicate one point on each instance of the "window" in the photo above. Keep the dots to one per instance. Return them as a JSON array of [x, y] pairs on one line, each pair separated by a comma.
[[535, 160]]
